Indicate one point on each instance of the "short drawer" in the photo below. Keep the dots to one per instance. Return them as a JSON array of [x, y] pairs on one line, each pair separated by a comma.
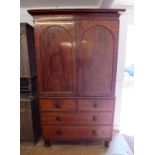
[[77, 132], [95, 105], [57, 105], [79, 118]]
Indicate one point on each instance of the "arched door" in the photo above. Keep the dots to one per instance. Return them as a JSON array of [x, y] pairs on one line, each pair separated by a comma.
[[57, 56], [96, 51]]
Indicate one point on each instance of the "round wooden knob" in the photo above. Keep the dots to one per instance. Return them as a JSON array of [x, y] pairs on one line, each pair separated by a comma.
[[59, 132], [57, 104], [94, 132], [94, 118], [95, 105], [58, 118]]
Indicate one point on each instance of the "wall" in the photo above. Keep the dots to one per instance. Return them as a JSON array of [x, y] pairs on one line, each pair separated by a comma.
[[125, 20], [25, 17]]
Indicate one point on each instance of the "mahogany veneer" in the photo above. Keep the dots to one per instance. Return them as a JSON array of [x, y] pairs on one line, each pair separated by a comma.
[[83, 118], [76, 54], [77, 132]]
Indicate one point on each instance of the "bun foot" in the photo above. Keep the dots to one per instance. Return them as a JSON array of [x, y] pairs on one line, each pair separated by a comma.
[[106, 144], [47, 143]]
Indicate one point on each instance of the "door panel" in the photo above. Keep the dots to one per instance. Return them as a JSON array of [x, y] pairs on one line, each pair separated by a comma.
[[24, 63], [95, 47], [57, 53], [26, 128]]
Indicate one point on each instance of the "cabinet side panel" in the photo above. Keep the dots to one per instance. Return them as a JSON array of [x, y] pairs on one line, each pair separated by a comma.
[[24, 59], [31, 50]]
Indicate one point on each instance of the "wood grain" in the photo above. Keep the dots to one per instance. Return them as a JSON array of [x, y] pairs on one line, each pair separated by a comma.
[[95, 58], [57, 58], [27, 51], [90, 118], [53, 105], [95, 105], [30, 130], [76, 132], [74, 11]]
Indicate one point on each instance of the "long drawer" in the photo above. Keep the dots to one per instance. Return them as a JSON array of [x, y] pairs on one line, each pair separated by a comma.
[[57, 105], [77, 118], [76, 132], [95, 105]]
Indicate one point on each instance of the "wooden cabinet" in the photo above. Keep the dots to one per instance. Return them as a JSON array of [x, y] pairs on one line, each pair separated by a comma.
[[76, 54], [27, 59], [29, 119], [27, 52], [29, 104]]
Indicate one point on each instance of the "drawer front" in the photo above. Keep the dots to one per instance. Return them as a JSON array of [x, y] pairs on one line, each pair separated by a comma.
[[95, 105], [79, 119], [77, 132], [57, 105]]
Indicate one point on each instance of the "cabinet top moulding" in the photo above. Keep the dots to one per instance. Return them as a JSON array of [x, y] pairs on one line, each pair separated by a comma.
[[73, 11]]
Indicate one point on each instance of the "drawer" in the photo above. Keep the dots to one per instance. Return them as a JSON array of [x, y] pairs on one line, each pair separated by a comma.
[[80, 118], [77, 132], [95, 105], [57, 105]]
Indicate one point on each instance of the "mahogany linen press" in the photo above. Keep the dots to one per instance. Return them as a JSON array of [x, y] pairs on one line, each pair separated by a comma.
[[76, 52]]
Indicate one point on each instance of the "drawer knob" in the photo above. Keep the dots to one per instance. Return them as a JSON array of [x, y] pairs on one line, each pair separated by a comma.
[[59, 132], [94, 132], [94, 118], [58, 118], [57, 104], [95, 105]]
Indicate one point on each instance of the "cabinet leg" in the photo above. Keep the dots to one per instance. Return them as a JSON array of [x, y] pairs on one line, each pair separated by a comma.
[[47, 143], [106, 144]]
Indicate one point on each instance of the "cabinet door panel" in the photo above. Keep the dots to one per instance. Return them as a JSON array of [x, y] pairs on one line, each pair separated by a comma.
[[24, 63], [96, 52], [57, 56], [26, 128]]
